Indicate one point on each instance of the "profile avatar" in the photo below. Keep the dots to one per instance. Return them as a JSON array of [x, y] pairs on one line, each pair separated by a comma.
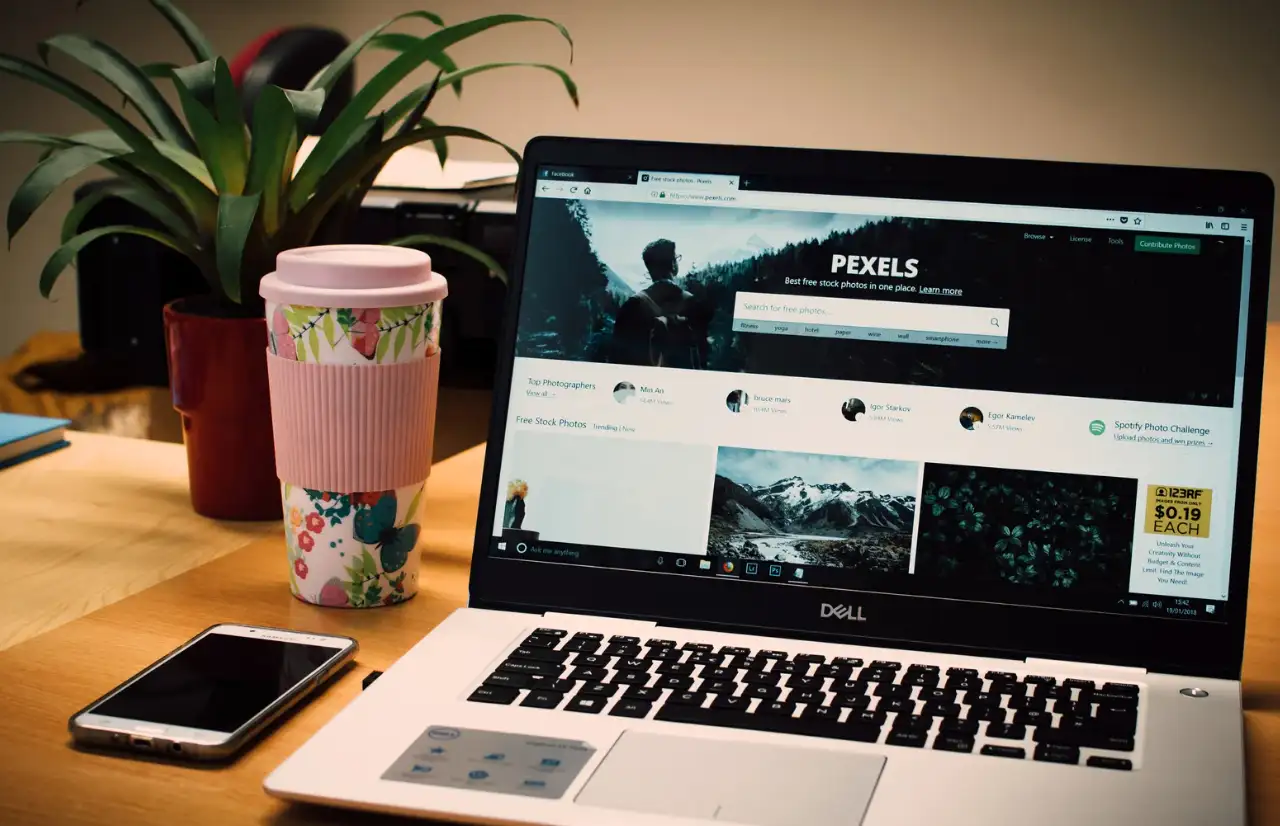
[[623, 392], [513, 511], [971, 418], [852, 409], [736, 400]]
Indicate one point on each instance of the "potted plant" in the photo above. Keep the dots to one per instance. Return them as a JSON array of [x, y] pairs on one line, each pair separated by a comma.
[[223, 191]]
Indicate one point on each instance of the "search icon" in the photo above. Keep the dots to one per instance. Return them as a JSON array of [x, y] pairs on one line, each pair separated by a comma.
[[995, 322]]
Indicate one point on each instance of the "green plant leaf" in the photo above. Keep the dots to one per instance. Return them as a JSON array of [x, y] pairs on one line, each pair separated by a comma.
[[199, 45], [380, 352], [141, 198], [330, 329], [413, 507], [313, 341], [401, 42], [300, 346], [235, 221], [47, 176], [342, 62], [307, 107], [186, 161], [330, 146], [406, 103], [356, 169], [420, 240], [220, 137], [401, 334], [132, 82], [368, 564], [416, 326], [161, 70], [66, 253], [275, 144]]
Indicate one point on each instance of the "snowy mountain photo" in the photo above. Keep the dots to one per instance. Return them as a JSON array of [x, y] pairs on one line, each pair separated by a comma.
[[836, 511]]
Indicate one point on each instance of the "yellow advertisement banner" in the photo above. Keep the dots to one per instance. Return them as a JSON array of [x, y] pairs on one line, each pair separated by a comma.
[[1177, 511]]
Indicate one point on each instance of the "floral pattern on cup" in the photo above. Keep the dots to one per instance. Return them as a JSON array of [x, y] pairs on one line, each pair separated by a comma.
[[353, 335], [352, 550]]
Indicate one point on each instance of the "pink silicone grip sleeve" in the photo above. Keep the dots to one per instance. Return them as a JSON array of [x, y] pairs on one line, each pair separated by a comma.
[[348, 428]]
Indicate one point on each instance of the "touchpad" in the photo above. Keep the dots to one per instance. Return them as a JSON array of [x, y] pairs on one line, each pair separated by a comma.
[[735, 782]]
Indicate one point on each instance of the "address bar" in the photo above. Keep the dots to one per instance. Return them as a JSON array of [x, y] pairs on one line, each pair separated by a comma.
[[858, 312]]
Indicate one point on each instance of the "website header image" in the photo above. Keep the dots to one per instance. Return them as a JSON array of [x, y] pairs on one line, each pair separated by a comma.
[[996, 307], [813, 509]]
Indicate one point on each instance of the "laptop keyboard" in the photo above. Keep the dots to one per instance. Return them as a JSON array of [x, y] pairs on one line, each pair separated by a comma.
[[906, 704]]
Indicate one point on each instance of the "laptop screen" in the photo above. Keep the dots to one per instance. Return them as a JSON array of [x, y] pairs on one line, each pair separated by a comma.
[[723, 377]]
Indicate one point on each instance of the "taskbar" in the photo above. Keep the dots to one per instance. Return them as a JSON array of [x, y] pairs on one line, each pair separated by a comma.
[[528, 546]]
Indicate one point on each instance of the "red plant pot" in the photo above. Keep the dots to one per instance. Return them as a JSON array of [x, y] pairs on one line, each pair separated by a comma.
[[218, 373]]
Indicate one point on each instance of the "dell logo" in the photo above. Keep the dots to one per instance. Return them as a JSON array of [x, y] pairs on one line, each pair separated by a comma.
[[852, 613]]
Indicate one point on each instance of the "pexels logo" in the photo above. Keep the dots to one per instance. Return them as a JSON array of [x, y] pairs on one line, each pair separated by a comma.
[[850, 613], [885, 267]]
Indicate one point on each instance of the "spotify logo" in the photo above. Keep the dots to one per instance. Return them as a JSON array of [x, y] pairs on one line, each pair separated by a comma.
[[1097, 426]]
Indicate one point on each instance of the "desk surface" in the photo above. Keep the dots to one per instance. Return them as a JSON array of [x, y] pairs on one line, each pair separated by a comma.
[[44, 680]]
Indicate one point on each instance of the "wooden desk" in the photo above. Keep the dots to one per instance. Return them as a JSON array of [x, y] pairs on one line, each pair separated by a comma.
[[96, 522], [43, 681]]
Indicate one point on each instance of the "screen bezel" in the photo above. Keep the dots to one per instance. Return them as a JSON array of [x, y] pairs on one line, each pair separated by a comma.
[[1208, 649], [342, 647]]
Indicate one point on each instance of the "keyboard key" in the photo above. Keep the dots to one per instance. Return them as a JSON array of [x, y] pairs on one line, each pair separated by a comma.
[[967, 728], [705, 658], [1083, 685], [505, 680], [674, 682], [1002, 676], [1117, 721], [963, 683], [812, 698], [761, 678], [494, 694], [587, 636], [989, 714], [925, 669], [1033, 679], [630, 678], [1088, 739], [850, 687], [940, 695], [834, 672], [666, 655], [542, 683], [911, 739], [734, 650], [831, 715], [589, 659], [550, 632], [661, 643], [1127, 689], [852, 662], [886, 664], [804, 683], [536, 641], [859, 702], [630, 708], [752, 664], [697, 646], [591, 674], [912, 722], [713, 673], [597, 690], [545, 655], [896, 706], [1073, 708], [777, 708], [762, 722], [542, 699], [896, 692], [939, 709], [789, 668], [633, 665], [1033, 718], [809, 658], [626, 640], [1028, 703], [923, 679], [1119, 763], [1052, 692], [953, 742], [1112, 698], [868, 718], [586, 705], [686, 698], [1006, 732], [1005, 751], [962, 672], [982, 698], [622, 651], [582, 646], [1052, 753], [878, 675], [761, 692], [773, 655], [725, 702], [1010, 689], [678, 669], [720, 687], [526, 667], [649, 695]]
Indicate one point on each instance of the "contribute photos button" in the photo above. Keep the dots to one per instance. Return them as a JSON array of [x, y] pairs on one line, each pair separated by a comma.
[[1159, 243]]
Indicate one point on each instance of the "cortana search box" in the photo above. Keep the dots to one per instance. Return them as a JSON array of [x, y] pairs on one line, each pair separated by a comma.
[[859, 319]]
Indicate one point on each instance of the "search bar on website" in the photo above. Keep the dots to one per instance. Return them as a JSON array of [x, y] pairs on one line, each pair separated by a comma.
[[866, 320]]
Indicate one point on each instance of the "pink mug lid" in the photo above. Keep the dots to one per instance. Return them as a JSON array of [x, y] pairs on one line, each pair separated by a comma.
[[353, 275]]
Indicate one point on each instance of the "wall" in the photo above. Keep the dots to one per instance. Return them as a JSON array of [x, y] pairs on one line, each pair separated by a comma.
[[1178, 82]]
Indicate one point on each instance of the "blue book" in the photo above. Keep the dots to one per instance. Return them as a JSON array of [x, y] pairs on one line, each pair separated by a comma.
[[26, 437]]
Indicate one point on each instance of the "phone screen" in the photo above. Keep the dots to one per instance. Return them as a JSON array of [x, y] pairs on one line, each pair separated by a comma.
[[219, 683]]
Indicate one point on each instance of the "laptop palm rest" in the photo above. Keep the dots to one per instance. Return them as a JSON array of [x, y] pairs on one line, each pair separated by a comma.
[[733, 782]]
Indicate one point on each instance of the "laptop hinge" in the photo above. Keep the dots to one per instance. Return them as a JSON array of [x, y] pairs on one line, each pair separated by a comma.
[[1067, 665], [598, 622]]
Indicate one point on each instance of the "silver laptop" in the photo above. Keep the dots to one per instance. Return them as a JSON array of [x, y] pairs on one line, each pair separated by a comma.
[[846, 488]]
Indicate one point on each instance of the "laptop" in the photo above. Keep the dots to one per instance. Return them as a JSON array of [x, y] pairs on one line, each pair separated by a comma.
[[846, 488]]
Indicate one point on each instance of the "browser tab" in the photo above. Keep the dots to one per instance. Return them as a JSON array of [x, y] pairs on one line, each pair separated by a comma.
[[688, 180]]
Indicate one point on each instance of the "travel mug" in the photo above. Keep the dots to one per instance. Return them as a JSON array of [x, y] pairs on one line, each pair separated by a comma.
[[353, 359]]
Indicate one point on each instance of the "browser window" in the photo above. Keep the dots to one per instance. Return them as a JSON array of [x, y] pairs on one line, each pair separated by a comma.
[[962, 400]]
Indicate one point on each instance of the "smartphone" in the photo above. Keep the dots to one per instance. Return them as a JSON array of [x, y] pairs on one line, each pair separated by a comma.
[[213, 695]]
